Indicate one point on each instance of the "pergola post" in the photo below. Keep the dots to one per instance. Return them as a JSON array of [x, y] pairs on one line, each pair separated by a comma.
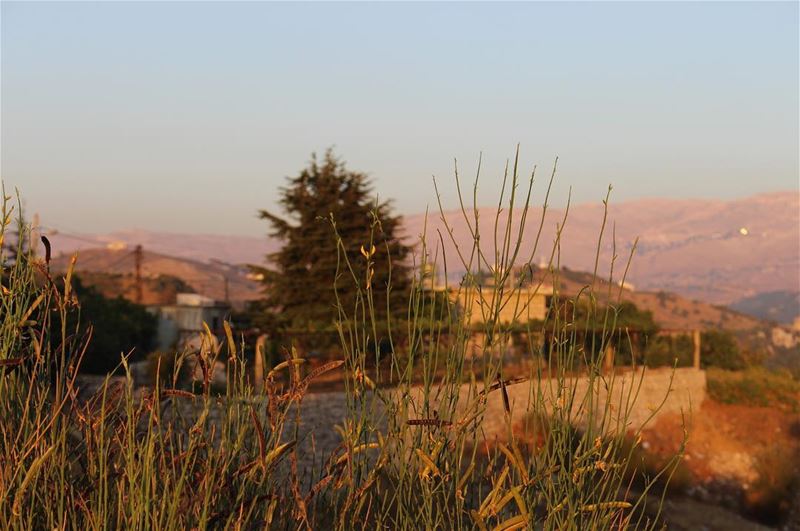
[[608, 362], [696, 354], [258, 366]]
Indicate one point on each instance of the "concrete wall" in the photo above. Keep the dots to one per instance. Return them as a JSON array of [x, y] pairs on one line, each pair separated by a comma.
[[177, 323]]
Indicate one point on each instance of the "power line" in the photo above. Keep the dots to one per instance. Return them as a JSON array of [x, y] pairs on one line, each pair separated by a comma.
[[52, 231], [122, 259]]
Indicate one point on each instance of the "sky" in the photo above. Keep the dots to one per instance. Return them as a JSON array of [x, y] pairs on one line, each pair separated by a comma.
[[188, 117]]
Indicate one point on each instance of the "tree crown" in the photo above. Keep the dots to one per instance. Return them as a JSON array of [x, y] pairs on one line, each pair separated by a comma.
[[302, 279]]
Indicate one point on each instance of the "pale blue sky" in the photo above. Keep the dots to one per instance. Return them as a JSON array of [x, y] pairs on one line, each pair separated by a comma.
[[187, 116]]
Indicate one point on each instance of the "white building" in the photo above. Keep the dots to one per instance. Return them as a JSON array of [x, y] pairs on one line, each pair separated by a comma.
[[179, 322]]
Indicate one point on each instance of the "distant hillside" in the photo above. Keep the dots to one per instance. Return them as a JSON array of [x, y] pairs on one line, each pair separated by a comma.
[[231, 249], [205, 278], [162, 289], [779, 306], [716, 251], [669, 310], [712, 250]]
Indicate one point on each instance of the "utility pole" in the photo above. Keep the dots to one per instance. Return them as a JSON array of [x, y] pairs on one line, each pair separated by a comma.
[[36, 233], [227, 298], [137, 254]]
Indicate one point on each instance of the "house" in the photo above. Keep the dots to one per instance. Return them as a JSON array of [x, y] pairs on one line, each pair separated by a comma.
[[182, 321], [521, 299], [477, 300], [517, 305]]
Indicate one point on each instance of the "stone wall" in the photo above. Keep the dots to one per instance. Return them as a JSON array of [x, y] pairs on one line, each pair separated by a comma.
[[683, 390], [630, 397], [651, 394]]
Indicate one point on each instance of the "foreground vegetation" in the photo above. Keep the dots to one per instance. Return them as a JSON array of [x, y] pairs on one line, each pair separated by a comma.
[[412, 451]]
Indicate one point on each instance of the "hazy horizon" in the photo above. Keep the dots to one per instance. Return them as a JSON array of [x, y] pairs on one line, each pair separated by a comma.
[[187, 117], [536, 201]]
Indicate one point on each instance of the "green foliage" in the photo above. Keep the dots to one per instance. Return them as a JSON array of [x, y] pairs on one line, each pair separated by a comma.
[[297, 279], [118, 327], [622, 324], [628, 315], [664, 351], [754, 386], [633, 327], [719, 348]]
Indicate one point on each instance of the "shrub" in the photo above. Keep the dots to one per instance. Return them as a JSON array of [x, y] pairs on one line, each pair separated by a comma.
[[118, 327], [755, 386], [719, 348]]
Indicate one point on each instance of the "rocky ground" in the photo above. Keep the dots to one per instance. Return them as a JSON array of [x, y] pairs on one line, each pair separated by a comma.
[[743, 458], [686, 514]]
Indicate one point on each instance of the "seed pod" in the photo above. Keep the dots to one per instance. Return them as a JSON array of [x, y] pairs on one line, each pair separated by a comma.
[[428, 422], [47, 253]]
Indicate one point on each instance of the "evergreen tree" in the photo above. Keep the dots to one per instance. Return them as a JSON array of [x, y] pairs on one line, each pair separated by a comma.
[[300, 278]]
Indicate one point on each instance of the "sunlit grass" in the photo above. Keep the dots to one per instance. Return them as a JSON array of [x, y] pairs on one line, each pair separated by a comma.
[[413, 450]]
